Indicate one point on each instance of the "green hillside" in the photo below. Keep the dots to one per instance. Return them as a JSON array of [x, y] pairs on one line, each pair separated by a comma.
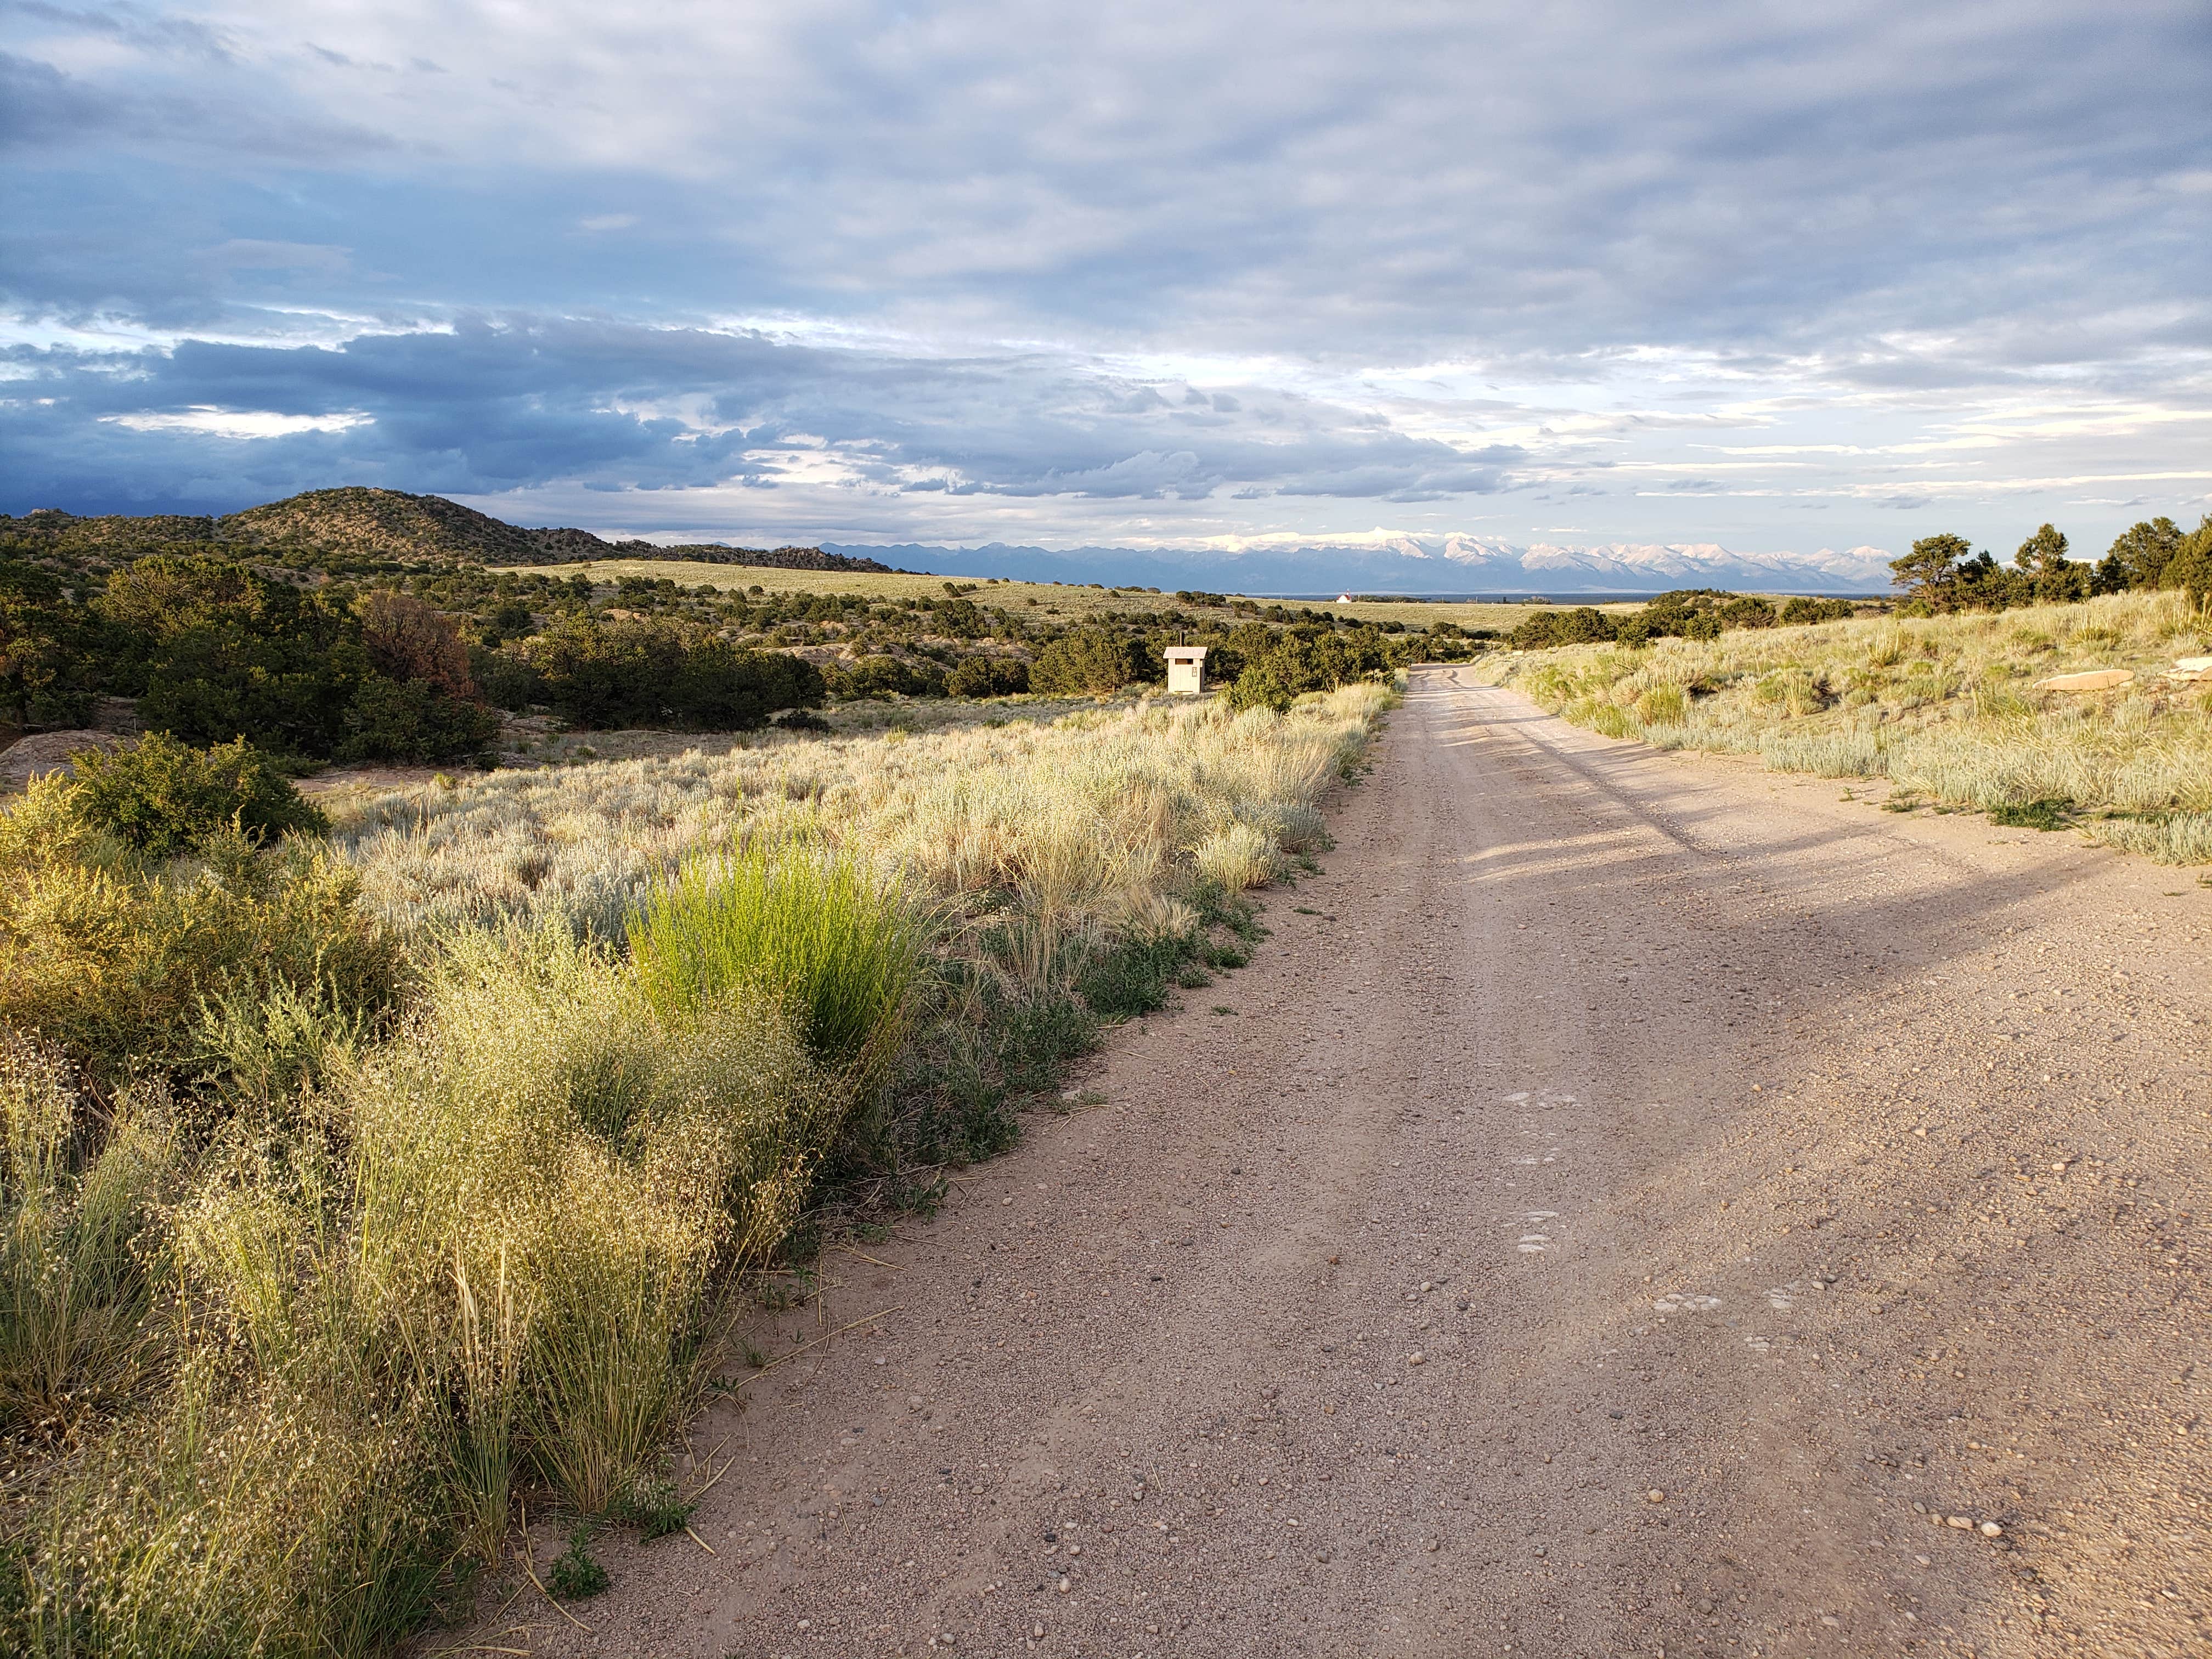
[[356, 528], [381, 524]]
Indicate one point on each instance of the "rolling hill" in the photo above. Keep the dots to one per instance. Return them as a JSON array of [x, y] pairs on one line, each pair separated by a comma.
[[357, 523]]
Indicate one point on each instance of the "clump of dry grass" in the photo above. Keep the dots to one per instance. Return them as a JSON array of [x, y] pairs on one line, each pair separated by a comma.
[[79, 1190], [241, 1515], [1070, 820], [1943, 706]]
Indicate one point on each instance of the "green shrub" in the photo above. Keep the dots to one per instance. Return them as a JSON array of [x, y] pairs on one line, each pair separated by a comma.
[[654, 672], [1131, 977], [980, 1124], [213, 649], [1035, 1038], [1583, 625], [414, 721], [950, 1104], [116, 960], [988, 677], [508, 679], [2191, 566], [1746, 611], [1801, 611], [48, 663], [2032, 815], [1262, 684], [878, 677], [164, 797], [1225, 954], [575, 1575], [843, 953], [1090, 660]]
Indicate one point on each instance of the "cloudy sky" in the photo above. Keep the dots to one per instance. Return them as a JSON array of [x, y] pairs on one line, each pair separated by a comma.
[[1153, 275]]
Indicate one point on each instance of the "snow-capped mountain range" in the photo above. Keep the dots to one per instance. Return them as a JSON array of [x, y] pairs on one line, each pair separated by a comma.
[[1416, 564]]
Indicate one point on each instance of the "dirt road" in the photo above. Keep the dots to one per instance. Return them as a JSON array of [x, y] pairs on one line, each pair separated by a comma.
[[1633, 1205]]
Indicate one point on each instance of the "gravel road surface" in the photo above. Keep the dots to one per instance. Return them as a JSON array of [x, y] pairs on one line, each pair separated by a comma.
[[1633, 1204]]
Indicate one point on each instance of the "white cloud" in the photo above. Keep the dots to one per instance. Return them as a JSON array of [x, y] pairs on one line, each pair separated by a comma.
[[235, 422]]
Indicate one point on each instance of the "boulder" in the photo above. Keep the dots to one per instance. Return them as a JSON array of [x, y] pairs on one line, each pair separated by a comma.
[[2094, 679], [48, 752]]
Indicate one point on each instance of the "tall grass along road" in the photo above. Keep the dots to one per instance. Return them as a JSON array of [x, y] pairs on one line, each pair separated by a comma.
[[367, 1182], [1950, 710], [1637, 1205]]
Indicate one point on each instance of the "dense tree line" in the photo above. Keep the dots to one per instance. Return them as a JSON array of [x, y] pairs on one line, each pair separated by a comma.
[[1943, 573], [1689, 613], [412, 667], [651, 671], [212, 650]]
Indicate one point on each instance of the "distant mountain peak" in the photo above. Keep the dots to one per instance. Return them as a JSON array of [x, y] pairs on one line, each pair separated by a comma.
[[1457, 562]]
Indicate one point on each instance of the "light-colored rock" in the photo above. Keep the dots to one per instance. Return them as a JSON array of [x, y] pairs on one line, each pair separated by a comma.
[[2194, 665], [1990, 1529], [2094, 679], [49, 751]]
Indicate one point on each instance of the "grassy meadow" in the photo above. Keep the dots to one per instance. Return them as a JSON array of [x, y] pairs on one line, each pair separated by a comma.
[[1943, 706], [360, 1185], [1062, 601]]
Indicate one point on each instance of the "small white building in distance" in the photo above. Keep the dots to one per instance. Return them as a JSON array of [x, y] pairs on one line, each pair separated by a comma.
[[1344, 598], [1186, 670]]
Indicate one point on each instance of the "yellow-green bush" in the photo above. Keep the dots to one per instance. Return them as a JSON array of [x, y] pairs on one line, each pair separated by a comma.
[[112, 955], [841, 952], [545, 1128], [501, 1259]]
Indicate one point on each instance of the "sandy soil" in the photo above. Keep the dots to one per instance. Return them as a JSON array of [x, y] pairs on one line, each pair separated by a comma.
[[1652, 1207]]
